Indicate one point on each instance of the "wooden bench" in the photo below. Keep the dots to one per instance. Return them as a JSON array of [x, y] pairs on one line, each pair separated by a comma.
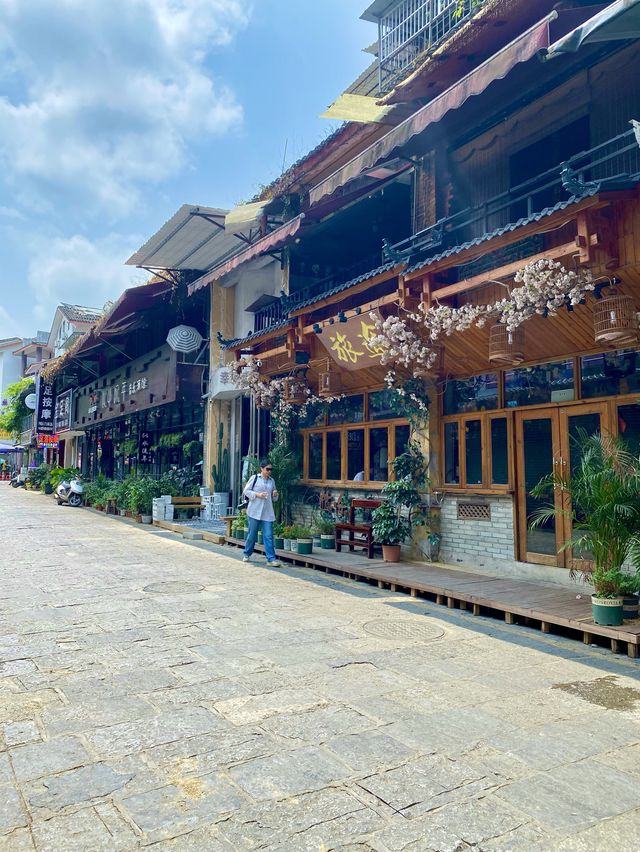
[[228, 519], [187, 503], [351, 528]]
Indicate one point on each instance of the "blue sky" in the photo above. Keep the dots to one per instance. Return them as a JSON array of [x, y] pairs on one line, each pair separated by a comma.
[[114, 114]]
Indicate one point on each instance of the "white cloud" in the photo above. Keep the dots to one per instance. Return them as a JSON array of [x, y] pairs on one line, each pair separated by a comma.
[[78, 271], [102, 98]]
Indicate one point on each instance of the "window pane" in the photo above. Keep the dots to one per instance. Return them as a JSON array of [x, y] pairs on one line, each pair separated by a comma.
[[499, 452], [610, 373], [629, 426], [334, 455], [378, 455], [473, 451], [315, 455], [536, 385], [383, 405], [451, 460], [350, 409], [355, 454], [402, 439], [314, 414], [479, 393]]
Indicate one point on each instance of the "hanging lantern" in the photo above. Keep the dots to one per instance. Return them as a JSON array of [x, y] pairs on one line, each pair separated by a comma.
[[295, 391], [329, 383], [506, 346], [614, 320]]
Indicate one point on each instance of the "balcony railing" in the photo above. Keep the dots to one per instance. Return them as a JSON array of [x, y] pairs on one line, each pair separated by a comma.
[[616, 159], [27, 423], [413, 26]]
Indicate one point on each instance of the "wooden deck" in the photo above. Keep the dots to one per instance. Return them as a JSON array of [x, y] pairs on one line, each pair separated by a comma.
[[542, 605]]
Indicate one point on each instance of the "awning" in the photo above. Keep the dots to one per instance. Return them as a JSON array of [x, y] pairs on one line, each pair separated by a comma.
[[271, 242], [619, 21], [194, 238], [245, 216], [523, 48]]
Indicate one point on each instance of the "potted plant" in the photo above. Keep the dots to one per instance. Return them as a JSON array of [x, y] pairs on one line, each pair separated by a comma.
[[287, 537], [326, 529], [220, 473], [603, 492], [141, 492], [278, 537], [293, 537], [631, 600], [304, 538]]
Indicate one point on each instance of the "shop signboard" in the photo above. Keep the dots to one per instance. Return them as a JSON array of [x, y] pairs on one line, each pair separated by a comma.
[[47, 442], [62, 415], [145, 453], [46, 405], [349, 343]]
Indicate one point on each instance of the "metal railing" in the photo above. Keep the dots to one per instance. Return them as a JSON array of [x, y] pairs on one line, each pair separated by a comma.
[[616, 159], [27, 423], [413, 26]]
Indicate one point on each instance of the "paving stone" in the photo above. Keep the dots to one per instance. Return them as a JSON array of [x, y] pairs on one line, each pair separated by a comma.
[[317, 726], [252, 709], [74, 787], [368, 751], [47, 758], [16, 667], [19, 733], [84, 830], [219, 750], [93, 713], [19, 840], [11, 813], [6, 775], [289, 773]]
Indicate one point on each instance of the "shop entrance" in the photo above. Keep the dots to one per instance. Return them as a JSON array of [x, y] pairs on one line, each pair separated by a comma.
[[545, 442]]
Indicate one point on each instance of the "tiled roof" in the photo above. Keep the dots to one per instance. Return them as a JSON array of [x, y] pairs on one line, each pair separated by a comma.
[[258, 335], [346, 285], [78, 313]]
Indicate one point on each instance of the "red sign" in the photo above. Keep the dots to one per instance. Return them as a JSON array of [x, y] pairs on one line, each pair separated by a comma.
[[48, 442]]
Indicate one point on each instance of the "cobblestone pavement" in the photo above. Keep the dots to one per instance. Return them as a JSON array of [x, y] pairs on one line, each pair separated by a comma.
[[157, 693]]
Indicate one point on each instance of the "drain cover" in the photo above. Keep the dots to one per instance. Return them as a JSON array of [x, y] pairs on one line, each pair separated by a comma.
[[421, 630], [174, 587]]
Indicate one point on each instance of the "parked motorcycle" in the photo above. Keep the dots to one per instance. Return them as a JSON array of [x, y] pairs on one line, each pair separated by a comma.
[[18, 480], [70, 493]]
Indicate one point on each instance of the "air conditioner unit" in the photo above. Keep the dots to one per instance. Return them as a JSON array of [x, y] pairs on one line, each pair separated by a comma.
[[219, 389]]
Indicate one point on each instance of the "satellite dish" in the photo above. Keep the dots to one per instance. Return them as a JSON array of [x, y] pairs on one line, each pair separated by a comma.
[[30, 401], [184, 338]]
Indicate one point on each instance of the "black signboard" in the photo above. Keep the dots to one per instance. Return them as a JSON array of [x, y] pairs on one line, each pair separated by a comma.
[[46, 407], [62, 416], [145, 453]]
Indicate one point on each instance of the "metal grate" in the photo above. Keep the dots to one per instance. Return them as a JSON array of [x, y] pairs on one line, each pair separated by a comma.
[[474, 511], [417, 629]]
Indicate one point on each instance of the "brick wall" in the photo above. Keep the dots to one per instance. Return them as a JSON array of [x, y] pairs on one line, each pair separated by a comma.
[[470, 542]]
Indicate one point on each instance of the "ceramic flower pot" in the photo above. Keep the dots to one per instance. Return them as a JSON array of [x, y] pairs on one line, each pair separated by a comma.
[[305, 546], [391, 552], [328, 542], [294, 545], [286, 544], [631, 607], [278, 543], [607, 611]]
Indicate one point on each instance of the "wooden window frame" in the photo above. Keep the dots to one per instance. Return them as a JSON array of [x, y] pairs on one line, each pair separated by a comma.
[[485, 418]]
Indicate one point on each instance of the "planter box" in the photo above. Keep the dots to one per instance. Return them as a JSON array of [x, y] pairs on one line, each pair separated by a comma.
[[278, 543], [286, 544], [145, 519], [391, 552], [328, 542], [607, 611], [293, 545], [631, 607], [305, 546]]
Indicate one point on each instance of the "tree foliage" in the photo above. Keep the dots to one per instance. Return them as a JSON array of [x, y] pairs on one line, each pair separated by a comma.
[[12, 414]]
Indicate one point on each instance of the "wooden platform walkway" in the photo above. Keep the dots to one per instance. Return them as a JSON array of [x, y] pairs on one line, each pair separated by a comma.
[[542, 605]]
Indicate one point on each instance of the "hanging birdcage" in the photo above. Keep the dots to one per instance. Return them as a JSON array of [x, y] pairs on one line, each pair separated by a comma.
[[614, 320], [506, 346], [295, 390], [329, 383]]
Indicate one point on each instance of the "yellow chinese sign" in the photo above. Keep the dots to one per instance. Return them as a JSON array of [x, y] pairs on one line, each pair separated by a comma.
[[350, 343]]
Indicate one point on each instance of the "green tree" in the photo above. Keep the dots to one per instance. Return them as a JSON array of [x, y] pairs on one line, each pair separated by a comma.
[[13, 413]]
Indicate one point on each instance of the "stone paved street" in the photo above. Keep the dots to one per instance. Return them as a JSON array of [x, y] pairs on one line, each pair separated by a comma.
[[154, 692]]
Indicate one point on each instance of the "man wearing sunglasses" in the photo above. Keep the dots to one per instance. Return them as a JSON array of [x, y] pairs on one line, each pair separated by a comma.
[[261, 491]]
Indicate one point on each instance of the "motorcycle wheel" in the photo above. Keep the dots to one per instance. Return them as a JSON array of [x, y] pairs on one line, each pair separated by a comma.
[[58, 501], [75, 500], [15, 484]]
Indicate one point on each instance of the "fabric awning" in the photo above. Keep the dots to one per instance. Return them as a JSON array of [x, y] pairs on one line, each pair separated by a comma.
[[619, 21], [271, 242], [245, 216], [523, 48]]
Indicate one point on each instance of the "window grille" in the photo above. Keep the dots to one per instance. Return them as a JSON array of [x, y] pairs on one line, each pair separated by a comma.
[[474, 511]]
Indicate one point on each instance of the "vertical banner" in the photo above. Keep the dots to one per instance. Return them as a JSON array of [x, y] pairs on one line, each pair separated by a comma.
[[45, 407], [145, 453], [62, 416]]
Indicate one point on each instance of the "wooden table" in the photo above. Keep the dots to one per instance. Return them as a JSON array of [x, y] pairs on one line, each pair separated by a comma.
[[228, 519]]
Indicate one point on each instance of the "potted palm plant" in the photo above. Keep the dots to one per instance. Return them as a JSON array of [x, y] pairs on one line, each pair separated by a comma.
[[603, 491]]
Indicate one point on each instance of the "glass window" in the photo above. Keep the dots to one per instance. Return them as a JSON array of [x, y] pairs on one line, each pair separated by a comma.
[[314, 414], [315, 455], [402, 439], [499, 451], [537, 385], [479, 393], [379, 455], [629, 426], [473, 451], [610, 373], [334, 455], [451, 457], [349, 409], [355, 454], [383, 405]]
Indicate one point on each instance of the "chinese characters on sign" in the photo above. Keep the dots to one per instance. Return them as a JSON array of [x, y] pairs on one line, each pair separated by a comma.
[[145, 453], [45, 407], [349, 344], [62, 416], [48, 442]]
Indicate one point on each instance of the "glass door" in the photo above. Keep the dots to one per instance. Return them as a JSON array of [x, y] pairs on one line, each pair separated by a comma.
[[538, 452]]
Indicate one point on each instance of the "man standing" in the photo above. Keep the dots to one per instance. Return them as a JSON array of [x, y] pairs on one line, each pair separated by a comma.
[[261, 491]]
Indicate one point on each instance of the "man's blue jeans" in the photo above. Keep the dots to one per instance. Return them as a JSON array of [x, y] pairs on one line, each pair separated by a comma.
[[267, 538]]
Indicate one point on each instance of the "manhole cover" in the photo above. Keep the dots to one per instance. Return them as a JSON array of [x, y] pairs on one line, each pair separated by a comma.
[[174, 587], [421, 630]]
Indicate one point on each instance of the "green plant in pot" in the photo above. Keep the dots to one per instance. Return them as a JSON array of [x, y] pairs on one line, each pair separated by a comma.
[[326, 529], [304, 537], [603, 490], [278, 536], [287, 536]]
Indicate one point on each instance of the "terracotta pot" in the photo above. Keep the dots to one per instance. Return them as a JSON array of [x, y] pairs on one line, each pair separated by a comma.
[[391, 552]]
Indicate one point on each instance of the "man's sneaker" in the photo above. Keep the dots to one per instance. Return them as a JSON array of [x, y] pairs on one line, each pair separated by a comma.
[[246, 559], [273, 564]]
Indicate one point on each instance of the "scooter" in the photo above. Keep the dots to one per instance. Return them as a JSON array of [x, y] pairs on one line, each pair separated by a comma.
[[18, 480], [70, 492]]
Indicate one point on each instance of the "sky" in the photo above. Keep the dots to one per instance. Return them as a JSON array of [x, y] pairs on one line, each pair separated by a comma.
[[113, 114]]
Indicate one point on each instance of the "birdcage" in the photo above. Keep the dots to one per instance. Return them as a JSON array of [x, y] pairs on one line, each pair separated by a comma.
[[506, 346], [614, 320]]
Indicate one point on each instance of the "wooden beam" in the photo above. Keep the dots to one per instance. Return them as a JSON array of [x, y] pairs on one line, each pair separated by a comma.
[[389, 275], [391, 299], [501, 272], [583, 239]]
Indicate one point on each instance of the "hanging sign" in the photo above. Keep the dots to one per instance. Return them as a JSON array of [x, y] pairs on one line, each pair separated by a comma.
[[62, 414], [48, 442], [145, 453], [46, 405], [349, 343]]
